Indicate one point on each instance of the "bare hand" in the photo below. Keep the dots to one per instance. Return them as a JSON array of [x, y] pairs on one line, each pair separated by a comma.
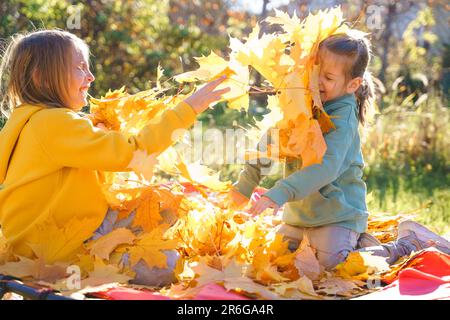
[[262, 204], [236, 200], [202, 98]]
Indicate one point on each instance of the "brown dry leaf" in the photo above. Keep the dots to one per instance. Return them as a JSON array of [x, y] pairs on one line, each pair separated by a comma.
[[288, 289], [36, 269], [103, 246], [149, 247], [306, 261], [337, 286], [104, 274], [206, 274], [247, 285]]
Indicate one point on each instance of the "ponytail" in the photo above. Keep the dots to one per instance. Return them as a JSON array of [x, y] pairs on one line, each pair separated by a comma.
[[365, 96]]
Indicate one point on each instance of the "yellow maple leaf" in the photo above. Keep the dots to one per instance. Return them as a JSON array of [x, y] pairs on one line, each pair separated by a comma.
[[143, 164], [149, 247], [213, 67], [360, 265], [56, 243], [148, 210], [103, 246]]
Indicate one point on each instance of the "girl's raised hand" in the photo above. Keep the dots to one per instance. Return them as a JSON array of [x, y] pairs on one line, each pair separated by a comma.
[[202, 98], [262, 204]]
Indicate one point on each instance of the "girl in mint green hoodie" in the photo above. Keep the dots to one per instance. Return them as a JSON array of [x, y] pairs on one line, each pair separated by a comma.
[[327, 201]]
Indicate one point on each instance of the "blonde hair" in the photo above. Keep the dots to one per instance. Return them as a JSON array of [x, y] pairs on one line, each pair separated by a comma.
[[35, 69], [356, 47]]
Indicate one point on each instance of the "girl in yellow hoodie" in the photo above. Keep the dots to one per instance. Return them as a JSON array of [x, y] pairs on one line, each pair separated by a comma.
[[50, 157]]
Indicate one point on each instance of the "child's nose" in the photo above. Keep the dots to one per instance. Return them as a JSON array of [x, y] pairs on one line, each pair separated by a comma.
[[90, 77]]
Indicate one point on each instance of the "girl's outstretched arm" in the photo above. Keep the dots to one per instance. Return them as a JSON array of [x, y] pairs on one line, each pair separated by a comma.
[[69, 140], [307, 180]]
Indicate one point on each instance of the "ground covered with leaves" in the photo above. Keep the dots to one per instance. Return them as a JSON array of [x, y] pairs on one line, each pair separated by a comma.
[[242, 253]]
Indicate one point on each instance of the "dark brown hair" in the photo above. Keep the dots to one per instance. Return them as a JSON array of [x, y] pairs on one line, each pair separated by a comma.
[[35, 69], [357, 48]]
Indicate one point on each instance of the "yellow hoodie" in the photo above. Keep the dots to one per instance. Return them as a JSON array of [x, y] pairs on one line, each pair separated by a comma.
[[50, 160]]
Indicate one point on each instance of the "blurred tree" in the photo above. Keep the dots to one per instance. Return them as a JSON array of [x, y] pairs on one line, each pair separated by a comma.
[[129, 38]]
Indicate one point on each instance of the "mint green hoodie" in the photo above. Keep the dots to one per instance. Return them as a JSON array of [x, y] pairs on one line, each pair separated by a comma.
[[332, 192]]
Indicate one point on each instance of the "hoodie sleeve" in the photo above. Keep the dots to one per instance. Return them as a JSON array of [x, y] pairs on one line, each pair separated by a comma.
[[71, 141], [307, 180], [250, 176]]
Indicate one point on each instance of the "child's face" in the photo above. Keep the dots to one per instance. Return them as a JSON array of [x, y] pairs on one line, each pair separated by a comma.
[[332, 80], [80, 80]]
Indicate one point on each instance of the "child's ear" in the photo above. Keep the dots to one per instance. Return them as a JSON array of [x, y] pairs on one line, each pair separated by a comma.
[[354, 84]]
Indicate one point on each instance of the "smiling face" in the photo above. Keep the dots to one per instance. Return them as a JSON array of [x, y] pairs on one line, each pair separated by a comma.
[[333, 82], [80, 80]]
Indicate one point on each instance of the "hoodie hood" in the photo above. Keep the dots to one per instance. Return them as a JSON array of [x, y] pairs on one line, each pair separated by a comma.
[[11, 133]]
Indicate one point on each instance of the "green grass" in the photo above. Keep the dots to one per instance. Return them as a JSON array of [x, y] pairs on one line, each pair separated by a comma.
[[422, 189]]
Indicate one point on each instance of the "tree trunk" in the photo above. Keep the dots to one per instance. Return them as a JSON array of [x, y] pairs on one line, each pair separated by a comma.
[[385, 40]]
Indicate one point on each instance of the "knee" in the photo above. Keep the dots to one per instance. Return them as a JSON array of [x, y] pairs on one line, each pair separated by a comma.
[[157, 277], [331, 260]]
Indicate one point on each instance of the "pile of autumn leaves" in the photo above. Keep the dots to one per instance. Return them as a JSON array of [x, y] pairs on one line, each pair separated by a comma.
[[216, 245]]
